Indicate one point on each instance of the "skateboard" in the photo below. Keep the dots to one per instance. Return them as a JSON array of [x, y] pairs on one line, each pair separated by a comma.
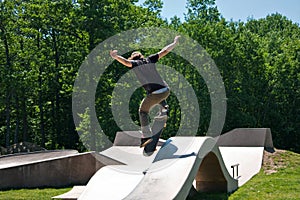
[[157, 129]]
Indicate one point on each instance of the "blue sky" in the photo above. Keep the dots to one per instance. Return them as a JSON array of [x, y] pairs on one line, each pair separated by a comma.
[[240, 9]]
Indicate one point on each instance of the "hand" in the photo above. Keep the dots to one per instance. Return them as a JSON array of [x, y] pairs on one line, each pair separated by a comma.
[[176, 38], [113, 53]]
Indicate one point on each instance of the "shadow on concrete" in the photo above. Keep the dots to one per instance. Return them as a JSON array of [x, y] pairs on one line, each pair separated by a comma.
[[168, 151]]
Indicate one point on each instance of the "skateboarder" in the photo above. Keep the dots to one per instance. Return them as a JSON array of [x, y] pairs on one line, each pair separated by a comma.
[[156, 88]]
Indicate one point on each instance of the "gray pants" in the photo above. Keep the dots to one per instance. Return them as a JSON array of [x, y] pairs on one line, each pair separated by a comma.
[[147, 103]]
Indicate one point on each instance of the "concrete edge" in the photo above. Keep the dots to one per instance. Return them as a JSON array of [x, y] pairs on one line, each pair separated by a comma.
[[73, 194]]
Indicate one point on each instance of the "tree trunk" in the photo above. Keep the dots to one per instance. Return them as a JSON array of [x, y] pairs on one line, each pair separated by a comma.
[[8, 88], [16, 136], [23, 100], [7, 113], [40, 81], [24, 117], [57, 120]]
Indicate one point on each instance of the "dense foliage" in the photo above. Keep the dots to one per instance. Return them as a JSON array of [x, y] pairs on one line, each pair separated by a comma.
[[43, 44]]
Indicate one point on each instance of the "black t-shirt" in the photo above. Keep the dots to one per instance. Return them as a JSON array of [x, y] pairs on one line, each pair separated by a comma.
[[146, 73]]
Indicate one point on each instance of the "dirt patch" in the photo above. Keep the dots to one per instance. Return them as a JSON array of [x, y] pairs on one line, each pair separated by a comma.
[[273, 161]]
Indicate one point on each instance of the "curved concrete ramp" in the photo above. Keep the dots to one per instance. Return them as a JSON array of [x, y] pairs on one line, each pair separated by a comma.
[[168, 174], [111, 183]]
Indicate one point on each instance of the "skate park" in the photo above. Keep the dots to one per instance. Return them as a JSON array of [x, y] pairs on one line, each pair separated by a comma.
[[179, 166]]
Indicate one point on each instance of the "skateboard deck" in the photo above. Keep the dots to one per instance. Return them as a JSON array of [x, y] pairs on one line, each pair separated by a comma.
[[157, 129]]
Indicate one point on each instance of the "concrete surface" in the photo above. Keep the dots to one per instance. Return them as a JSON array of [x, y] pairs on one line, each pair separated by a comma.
[[123, 172], [183, 162], [247, 137], [249, 160], [111, 183], [27, 158], [131, 156], [41, 170], [130, 138], [245, 147], [173, 168], [73, 194]]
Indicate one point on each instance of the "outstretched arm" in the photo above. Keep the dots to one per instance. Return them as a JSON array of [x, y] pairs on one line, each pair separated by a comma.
[[168, 48], [120, 59]]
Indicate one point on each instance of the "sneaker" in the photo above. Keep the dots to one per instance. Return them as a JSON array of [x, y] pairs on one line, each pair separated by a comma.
[[145, 141], [162, 115], [146, 131]]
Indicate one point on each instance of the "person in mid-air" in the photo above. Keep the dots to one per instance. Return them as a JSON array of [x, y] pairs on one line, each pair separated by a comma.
[[156, 88]]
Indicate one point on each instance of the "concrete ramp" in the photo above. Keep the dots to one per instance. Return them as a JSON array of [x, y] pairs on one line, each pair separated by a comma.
[[13, 160], [203, 164], [242, 150], [168, 174], [73, 194], [111, 183], [176, 167], [242, 162], [50, 168], [247, 137]]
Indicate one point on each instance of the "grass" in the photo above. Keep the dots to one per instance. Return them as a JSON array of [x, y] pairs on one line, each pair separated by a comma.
[[283, 184], [278, 179], [32, 194]]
